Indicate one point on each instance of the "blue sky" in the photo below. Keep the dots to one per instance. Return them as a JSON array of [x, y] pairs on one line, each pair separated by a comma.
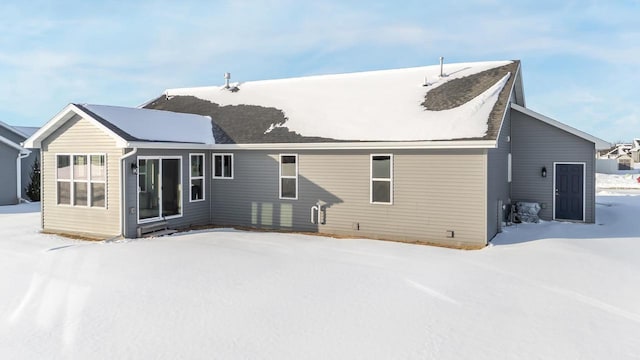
[[581, 59]]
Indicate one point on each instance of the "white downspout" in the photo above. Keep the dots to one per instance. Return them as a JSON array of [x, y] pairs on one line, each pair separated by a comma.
[[21, 155], [123, 196]]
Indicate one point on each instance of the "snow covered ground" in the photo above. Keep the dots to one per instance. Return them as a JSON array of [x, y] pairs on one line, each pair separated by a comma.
[[617, 181], [541, 291]]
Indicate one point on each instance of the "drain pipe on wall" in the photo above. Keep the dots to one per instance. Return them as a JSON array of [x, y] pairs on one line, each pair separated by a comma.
[[123, 196], [21, 155]]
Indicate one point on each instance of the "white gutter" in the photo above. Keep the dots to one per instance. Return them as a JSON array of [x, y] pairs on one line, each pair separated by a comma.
[[371, 145], [382, 145], [165, 145], [123, 196], [21, 155]]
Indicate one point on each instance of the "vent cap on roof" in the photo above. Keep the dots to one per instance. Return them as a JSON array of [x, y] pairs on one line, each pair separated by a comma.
[[442, 74]]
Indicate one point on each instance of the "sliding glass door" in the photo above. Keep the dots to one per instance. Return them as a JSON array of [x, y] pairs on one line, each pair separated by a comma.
[[159, 187], [171, 186]]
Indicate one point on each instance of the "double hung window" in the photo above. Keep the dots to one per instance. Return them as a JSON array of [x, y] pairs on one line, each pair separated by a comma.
[[381, 179], [289, 176], [196, 176]]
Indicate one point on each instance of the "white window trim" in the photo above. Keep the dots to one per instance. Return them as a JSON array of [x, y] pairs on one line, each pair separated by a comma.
[[280, 177], [584, 187], [159, 217], [70, 180], [213, 166], [372, 179], [88, 181], [191, 177]]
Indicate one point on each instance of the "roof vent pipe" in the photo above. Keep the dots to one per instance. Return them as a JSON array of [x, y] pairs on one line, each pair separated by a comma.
[[441, 66], [227, 76]]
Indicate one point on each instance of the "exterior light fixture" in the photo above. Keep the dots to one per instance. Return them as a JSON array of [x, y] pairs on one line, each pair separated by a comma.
[[544, 171], [134, 169]]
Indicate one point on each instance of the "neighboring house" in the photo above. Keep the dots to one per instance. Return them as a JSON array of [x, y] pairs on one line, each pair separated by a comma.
[[15, 162], [406, 155], [635, 151], [626, 156], [625, 162]]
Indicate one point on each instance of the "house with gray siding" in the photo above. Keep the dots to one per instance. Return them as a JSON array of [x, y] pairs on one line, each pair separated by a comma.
[[15, 162], [434, 154]]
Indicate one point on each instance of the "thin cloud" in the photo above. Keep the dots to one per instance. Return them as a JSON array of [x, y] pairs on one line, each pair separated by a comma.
[[125, 53]]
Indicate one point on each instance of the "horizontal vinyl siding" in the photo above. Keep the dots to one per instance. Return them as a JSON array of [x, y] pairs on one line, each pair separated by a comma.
[[252, 191], [8, 191], [536, 145], [78, 136], [26, 164], [498, 186], [193, 213], [434, 191]]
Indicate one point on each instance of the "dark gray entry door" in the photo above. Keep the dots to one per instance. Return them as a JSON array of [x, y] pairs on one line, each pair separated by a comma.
[[569, 191]]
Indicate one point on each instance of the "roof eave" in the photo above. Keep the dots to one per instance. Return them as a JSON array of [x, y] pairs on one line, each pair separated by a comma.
[[13, 129], [11, 144], [513, 91], [519, 87], [165, 145], [382, 145], [35, 140]]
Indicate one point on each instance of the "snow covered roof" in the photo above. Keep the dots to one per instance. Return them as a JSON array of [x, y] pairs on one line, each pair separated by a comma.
[[391, 105], [136, 124], [133, 127]]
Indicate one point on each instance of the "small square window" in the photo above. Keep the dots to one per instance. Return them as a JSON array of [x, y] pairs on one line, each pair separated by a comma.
[[64, 193], [80, 193], [98, 168], [223, 166], [64, 167], [80, 167], [98, 194]]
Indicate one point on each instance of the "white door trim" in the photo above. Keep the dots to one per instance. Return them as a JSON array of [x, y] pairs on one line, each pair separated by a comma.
[[180, 199], [584, 186]]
